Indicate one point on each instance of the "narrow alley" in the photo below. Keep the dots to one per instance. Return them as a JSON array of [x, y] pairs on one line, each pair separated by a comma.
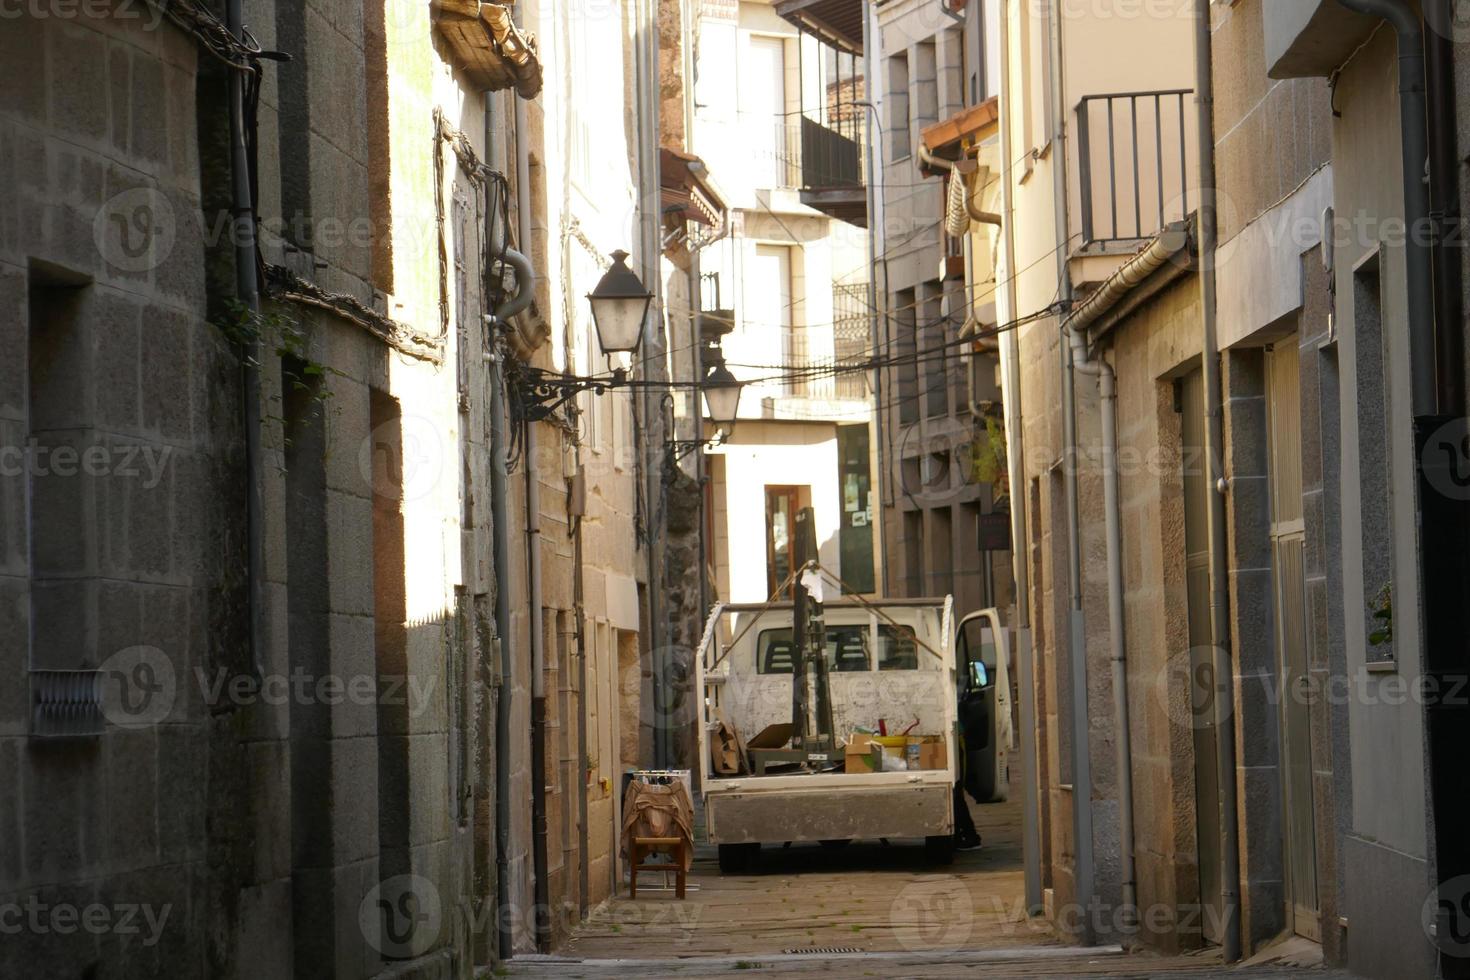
[[591, 488]]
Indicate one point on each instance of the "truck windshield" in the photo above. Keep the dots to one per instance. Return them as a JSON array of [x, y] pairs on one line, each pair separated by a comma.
[[849, 648]]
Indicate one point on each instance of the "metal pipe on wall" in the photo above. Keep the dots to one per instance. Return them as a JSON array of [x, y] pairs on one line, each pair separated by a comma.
[[1010, 357], [1123, 737], [650, 216], [538, 689], [1214, 459], [1414, 141], [247, 289], [1077, 633], [505, 702], [500, 543]]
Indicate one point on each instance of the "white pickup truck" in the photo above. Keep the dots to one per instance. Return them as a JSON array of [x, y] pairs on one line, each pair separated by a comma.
[[902, 661]]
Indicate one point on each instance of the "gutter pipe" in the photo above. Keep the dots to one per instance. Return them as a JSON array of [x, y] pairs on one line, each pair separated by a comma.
[[1077, 633], [1444, 191], [1418, 260], [500, 542], [1010, 359], [538, 689], [247, 288], [1131, 274], [505, 699], [540, 864], [1214, 459]]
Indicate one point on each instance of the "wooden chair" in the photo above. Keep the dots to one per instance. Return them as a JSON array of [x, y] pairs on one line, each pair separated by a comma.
[[642, 847]]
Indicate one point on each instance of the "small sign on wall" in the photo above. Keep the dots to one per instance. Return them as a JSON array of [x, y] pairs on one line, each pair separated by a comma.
[[993, 532]]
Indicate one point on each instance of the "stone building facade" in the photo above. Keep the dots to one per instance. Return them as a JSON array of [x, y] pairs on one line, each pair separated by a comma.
[[291, 765]]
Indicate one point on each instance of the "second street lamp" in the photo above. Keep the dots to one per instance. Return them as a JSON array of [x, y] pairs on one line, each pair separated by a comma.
[[619, 307], [722, 396]]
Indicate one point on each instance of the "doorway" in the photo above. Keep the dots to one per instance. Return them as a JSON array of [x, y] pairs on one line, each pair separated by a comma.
[[782, 503], [1288, 574], [1195, 472]]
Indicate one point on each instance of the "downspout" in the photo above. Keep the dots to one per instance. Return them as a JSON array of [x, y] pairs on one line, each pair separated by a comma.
[[1444, 191], [500, 541], [1418, 258], [875, 317], [1123, 739], [1214, 459], [538, 688], [650, 217], [1135, 271], [505, 701], [1010, 355], [1077, 634], [247, 289], [579, 601], [533, 550], [1118, 648]]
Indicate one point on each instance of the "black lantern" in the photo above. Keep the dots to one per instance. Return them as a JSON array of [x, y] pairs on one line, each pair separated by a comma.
[[722, 395], [619, 306]]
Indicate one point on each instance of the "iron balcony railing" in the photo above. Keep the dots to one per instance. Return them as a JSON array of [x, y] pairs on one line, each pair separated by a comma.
[[799, 152], [1134, 167]]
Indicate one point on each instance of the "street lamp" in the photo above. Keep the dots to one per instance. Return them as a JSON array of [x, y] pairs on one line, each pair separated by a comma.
[[722, 396], [619, 307]]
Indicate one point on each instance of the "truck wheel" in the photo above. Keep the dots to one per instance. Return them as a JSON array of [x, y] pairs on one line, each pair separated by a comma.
[[738, 858], [940, 849]]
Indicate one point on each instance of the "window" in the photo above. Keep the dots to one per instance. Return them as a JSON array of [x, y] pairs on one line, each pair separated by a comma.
[[782, 503], [899, 141], [849, 649], [906, 350], [926, 83], [763, 106], [770, 302]]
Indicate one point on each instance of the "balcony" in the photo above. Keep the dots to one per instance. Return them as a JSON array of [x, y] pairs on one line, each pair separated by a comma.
[[1311, 38], [1134, 167], [831, 161]]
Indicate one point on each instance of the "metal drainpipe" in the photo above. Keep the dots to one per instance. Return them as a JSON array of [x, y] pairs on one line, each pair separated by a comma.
[[533, 565], [650, 218], [1444, 189], [875, 149], [580, 614], [1112, 516], [1081, 742], [248, 290], [504, 704], [1214, 459], [500, 540], [1418, 258], [538, 689], [1010, 347]]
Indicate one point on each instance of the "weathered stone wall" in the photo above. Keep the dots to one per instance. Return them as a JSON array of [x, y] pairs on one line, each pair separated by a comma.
[[135, 542], [1150, 350]]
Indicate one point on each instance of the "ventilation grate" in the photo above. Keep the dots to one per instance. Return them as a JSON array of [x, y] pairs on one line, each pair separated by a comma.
[[66, 703]]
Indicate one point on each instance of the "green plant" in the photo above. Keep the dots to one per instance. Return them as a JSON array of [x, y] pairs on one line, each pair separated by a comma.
[[988, 456], [255, 331], [1383, 613]]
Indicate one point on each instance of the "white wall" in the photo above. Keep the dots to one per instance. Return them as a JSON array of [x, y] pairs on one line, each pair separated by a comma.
[[763, 454]]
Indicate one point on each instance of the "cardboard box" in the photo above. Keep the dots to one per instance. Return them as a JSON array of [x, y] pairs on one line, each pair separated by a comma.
[[861, 753], [933, 752]]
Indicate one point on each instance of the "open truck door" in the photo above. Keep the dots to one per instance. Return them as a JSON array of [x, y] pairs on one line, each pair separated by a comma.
[[982, 656]]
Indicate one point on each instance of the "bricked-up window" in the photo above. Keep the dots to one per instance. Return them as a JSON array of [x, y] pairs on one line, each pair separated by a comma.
[[1375, 438], [905, 348], [375, 83], [62, 396], [899, 139], [926, 83], [390, 631]]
